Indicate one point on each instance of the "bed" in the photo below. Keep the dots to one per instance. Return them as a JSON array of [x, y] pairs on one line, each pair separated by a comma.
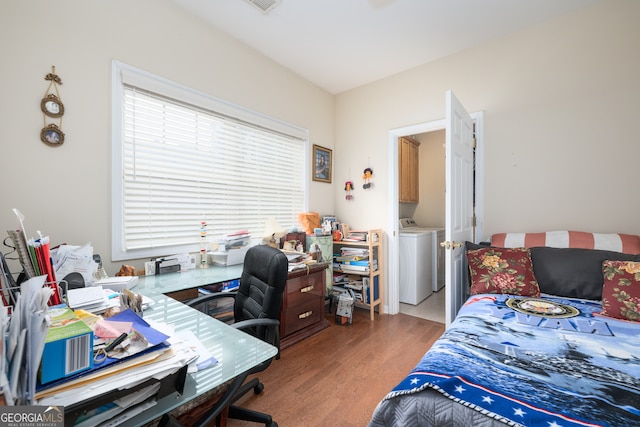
[[548, 337]]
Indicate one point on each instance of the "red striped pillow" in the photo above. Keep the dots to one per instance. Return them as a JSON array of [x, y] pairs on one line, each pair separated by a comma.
[[625, 243]]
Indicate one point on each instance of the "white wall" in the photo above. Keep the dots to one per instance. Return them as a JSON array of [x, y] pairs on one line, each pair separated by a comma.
[[65, 191], [560, 103], [430, 212]]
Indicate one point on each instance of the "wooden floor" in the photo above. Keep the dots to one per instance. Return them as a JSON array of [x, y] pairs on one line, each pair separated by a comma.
[[338, 376]]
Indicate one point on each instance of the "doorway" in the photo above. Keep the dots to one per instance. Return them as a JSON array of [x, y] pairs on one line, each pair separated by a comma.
[[393, 302], [418, 264]]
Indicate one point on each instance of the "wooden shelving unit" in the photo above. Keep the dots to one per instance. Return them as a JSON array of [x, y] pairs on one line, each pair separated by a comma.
[[373, 279]]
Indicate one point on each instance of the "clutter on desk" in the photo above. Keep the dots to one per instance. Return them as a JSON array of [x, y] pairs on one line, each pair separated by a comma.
[[231, 248], [101, 301], [204, 358], [131, 301], [129, 355], [70, 354], [234, 240], [169, 264], [35, 256], [91, 298], [26, 333], [68, 348], [299, 259]]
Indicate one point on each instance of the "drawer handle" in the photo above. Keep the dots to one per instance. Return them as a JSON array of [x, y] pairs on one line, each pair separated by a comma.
[[307, 289], [305, 314]]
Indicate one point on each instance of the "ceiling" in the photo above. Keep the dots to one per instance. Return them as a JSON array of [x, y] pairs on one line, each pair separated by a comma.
[[342, 44]]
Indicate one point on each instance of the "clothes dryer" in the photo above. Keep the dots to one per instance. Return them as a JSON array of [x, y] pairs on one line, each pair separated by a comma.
[[436, 253], [415, 266]]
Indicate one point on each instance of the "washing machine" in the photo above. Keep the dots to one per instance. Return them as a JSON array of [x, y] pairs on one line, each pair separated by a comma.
[[434, 256], [415, 266]]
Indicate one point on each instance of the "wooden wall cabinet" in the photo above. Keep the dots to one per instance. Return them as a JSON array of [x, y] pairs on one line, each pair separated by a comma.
[[408, 168]]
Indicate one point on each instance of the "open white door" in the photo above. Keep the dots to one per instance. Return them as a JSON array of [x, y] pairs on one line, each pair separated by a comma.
[[458, 201]]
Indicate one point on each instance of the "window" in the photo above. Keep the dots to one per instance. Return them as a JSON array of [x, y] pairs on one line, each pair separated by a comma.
[[181, 157]]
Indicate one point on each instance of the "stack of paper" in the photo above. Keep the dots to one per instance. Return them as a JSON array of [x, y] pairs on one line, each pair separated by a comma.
[[234, 240], [118, 283], [90, 298]]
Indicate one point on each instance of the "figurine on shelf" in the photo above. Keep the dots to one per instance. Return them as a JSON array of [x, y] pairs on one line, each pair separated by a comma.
[[348, 186], [367, 176]]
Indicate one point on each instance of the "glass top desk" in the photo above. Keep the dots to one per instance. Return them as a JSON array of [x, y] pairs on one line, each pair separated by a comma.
[[235, 351], [188, 279]]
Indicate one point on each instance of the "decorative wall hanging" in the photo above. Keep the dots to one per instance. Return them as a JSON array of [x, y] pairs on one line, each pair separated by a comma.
[[348, 187], [368, 177], [52, 108], [321, 164]]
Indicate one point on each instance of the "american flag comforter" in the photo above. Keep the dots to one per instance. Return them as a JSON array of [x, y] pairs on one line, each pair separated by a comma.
[[528, 362]]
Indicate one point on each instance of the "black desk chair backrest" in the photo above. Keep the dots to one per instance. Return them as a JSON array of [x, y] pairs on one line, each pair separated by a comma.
[[264, 277]]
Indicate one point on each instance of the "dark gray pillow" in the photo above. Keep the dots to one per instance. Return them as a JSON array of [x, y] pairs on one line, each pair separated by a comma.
[[573, 272]]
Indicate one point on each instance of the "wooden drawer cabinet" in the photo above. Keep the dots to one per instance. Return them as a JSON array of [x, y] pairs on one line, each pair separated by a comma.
[[302, 311]]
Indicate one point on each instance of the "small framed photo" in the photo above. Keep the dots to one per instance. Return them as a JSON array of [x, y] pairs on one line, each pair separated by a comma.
[[322, 164], [52, 135], [52, 106]]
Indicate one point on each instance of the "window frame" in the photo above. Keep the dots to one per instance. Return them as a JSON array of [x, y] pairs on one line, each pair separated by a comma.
[[125, 74]]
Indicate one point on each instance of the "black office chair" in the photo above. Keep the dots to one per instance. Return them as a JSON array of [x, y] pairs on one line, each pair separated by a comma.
[[255, 310]]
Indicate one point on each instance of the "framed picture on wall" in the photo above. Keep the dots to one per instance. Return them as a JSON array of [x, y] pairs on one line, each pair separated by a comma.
[[321, 164]]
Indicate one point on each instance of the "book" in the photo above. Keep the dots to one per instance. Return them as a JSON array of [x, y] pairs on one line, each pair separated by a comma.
[[352, 258], [354, 262]]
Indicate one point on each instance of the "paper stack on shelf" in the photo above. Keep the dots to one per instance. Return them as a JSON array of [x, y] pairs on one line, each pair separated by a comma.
[[354, 260]]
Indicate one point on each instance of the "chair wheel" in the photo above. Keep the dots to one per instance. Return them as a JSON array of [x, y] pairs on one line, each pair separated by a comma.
[[258, 389], [273, 424]]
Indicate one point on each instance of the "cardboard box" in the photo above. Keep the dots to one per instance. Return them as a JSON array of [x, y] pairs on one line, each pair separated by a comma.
[[68, 348]]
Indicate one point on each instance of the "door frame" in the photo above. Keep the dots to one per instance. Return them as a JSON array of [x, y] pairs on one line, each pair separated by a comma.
[[393, 256]]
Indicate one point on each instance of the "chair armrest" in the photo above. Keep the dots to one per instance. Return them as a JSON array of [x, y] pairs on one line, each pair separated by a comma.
[[222, 312], [250, 323], [209, 297]]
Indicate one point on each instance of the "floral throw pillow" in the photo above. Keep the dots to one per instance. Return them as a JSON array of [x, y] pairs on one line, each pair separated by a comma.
[[621, 290], [502, 271]]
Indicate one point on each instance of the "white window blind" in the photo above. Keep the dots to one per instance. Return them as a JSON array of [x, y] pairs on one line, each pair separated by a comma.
[[184, 163]]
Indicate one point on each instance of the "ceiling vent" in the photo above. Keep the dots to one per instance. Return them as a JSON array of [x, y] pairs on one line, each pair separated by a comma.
[[265, 6]]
